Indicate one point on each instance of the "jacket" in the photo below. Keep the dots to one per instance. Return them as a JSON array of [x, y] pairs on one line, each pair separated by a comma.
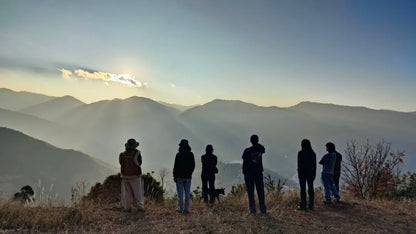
[[209, 163], [307, 163], [252, 159], [338, 160], [184, 165], [328, 163], [130, 161]]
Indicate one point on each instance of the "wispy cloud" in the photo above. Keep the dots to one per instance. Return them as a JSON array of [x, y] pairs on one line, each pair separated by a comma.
[[65, 73], [104, 76]]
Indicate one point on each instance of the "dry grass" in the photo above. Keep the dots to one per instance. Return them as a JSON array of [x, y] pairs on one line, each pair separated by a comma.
[[229, 216]]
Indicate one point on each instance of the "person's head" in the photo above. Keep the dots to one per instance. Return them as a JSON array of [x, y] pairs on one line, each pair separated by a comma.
[[254, 139], [131, 144], [330, 147], [306, 145], [209, 149], [184, 145]]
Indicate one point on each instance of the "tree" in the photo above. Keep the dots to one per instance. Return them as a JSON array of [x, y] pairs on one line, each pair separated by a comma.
[[163, 172], [371, 171]]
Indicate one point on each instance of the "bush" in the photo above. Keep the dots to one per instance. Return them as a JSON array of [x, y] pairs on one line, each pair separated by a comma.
[[371, 171], [405, 187], [109, 191], [271, 186], [238, 190]]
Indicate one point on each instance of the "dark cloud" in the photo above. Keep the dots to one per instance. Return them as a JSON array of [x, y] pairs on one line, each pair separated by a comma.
[[15, 64]]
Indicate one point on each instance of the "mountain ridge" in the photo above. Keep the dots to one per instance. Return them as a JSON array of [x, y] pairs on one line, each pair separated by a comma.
[[28, 160]]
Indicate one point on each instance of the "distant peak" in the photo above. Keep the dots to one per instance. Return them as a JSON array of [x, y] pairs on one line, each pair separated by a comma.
[[137, 98]]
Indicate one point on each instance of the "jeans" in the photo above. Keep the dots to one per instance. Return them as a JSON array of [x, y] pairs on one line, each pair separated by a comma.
[[252, 180], [181, 185], [208, 181], [311, 192], [329, 187]]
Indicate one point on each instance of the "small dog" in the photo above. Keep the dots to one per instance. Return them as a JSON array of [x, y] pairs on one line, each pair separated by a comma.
[[216, 194], [25, 195]]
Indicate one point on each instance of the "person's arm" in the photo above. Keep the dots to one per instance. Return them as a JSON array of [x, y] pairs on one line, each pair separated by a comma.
[[174, 168], [314, 165], [299, 162], [215, 161], [322, 161], [119, 159], [192, 162], [245, 155], [138, 159]]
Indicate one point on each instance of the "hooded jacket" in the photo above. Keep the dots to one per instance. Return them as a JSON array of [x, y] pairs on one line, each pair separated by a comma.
[[184, 165]]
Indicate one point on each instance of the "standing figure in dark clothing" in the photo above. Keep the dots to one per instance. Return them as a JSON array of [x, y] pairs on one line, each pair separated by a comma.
[[182, 174], [209, 169], [306, 173], [253, 173], [337, 170], [327, 175]]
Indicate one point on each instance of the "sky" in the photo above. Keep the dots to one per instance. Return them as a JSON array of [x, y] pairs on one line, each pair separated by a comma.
[[270, 53]]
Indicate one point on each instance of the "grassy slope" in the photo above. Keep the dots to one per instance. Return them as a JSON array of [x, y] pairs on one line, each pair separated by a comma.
[[230, 216]]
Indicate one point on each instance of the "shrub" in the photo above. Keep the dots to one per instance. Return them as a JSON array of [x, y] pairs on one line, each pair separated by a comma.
[[238, 190], [270, 185], [109, 191], [370, 171], [405, 186]]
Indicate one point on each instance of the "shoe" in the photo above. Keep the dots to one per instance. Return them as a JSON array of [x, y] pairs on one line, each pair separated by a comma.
[[328, 202], [185, 212], [301, 208], [179, 211]]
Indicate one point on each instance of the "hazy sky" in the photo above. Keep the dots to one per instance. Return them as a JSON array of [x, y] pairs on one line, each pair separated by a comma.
[[190, 52]]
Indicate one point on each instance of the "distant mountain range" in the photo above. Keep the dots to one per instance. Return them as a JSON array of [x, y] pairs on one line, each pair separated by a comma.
[[13, 100], [54, 108], [25, 160], [100, 129]]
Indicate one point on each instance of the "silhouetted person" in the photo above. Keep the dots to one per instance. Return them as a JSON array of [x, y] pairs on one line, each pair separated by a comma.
[[337, 170], [253, 173], [131, 177], [209, 169], [182, 174], [327, 175], [306, 173]]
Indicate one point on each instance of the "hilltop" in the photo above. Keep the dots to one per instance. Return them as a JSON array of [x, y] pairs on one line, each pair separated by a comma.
[[229, 216]]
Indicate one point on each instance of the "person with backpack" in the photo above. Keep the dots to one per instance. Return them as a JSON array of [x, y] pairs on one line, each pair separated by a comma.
[[306, 173], [253, 174], [327, 175], [182, 174], [132, 193], [209, 169], [337, 170]]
